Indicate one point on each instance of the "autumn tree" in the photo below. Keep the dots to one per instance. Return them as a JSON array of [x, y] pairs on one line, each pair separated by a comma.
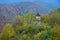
[[7, 32]]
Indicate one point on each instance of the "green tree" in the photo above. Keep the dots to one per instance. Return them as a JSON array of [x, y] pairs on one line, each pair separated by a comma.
[[7, 32]]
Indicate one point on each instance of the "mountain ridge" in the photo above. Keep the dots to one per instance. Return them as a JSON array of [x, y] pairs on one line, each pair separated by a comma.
[[8, 12]]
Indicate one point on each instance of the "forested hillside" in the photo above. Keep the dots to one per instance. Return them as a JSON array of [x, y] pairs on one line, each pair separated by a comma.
[[24, 28]]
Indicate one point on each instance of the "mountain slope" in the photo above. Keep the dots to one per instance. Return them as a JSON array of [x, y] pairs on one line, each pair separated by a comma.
[[8, 12]]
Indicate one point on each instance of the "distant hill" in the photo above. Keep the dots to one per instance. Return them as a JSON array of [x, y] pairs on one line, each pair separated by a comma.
[[7, 12]]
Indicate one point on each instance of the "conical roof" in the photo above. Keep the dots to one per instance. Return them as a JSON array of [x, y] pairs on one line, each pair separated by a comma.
[[37, 14]]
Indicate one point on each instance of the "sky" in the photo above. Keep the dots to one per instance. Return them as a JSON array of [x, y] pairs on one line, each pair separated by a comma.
[[45, 3], [13, 1], [55, 2]]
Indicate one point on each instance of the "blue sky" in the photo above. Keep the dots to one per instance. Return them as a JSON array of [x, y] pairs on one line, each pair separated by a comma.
[[12, 1], [55, 2], [45, 3]]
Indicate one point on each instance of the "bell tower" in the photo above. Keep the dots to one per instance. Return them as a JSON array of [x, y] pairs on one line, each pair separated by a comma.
[[38, 18]]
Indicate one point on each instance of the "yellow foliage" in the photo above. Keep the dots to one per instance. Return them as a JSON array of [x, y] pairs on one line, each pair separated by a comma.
[[25, 24], [19, 19], [56, 32], [31, 16], [44, 17], [38, 35], [17, 28], [7, 31], [26, 37]]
